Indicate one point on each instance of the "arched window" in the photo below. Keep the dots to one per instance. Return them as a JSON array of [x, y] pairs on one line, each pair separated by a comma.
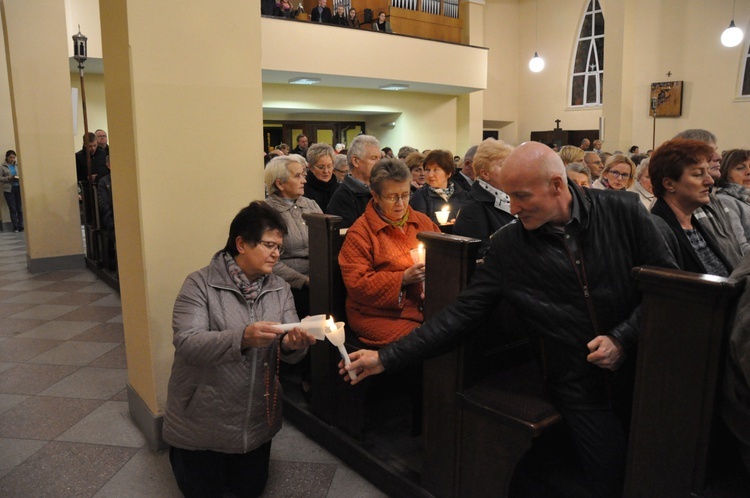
[[746, 78], [588, 66]]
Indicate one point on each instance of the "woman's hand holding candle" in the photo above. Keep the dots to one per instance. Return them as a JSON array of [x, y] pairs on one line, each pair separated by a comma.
[[413, 275]]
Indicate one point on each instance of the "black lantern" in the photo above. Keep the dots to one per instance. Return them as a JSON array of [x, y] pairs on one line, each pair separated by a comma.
[[80, 49]]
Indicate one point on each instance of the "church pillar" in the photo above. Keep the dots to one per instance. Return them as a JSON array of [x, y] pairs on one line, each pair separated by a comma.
[[470, 107]]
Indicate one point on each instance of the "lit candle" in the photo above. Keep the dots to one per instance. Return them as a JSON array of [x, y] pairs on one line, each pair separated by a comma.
[[442, 215], [417, 255], [314, 325], [335, 334]]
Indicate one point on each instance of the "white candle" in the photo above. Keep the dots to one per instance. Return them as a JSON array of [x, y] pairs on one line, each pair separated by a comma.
[[314, 325], [417, 255], [442, 215], [335, 334]]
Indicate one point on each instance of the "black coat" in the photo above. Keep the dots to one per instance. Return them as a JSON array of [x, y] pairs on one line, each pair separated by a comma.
[[479, 218], [320, 192], [318, 17], [349, 201], [687, 258], [562, 303], [98, 165], [427, 202]]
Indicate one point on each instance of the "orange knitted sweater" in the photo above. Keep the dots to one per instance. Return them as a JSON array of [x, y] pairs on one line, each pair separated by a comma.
[[373, 260]]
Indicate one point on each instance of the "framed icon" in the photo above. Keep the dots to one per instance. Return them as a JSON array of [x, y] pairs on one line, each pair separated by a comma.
[[666, 99]]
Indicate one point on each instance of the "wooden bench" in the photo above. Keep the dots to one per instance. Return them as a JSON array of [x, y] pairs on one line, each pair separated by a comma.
[[483, 401], [674, 435]]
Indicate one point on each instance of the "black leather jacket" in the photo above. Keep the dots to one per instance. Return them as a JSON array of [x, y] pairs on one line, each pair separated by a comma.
[[565, 301]]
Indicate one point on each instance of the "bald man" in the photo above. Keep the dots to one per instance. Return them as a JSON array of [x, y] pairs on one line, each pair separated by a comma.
[[565, 265]]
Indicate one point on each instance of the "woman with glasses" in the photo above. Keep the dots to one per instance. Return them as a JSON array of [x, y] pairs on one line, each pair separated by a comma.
[[321, 182], [285, 181], [734, 189], [224, 397], [681, 182], [488, 210], [440, 190], [618, 174], [384, 292], [414, 162]]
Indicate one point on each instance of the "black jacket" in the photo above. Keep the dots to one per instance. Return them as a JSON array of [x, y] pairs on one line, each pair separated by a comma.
[[688, 259], [479, 218], [427, 202], [320, 192], [325, 16], [349, 201], [562, 303], [98, 165]]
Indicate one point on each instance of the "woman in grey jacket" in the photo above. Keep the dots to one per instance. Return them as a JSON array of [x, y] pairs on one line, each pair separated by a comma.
[[224, 397]]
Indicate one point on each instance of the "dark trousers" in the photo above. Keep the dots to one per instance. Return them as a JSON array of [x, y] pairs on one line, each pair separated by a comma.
[[13, 199], [601, 442], [208, 474]]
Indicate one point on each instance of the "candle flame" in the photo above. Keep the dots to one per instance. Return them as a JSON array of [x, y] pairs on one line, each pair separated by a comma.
[[420, 247], [446, 208], [330, 324]]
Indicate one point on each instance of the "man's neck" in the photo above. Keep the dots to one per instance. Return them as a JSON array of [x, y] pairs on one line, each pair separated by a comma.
[[359, 176]]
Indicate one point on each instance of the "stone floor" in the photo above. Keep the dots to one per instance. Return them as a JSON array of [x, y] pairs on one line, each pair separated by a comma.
[[64, 424]]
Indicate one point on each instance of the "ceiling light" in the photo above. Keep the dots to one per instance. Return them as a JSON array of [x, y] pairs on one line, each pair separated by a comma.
[[732, 36], [304, 81], [536, 63], [393, 86]]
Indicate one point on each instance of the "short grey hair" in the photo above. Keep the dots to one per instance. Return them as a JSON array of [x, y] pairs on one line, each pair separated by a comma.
[[579, 168], [339, 161], [469, 156], [698, 134], [357, 148], [315, 152], [278, 169], [642, 168], [388, 169]]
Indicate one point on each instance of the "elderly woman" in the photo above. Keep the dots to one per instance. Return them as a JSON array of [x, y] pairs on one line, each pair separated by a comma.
[[642, 184], [12, 189], [340, 167], [285, 181], [224, 398], [571, 154], [384, 296], [321, 183], [734, 188], [681, 183], [440, 190], [579, 173], [618, 174], [415, 163], [488, 208]]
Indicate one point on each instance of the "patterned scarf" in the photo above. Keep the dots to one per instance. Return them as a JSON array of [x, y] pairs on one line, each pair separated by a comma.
[[396, 223], [502, 201], [445, 193], [735, 190], [250, 290]]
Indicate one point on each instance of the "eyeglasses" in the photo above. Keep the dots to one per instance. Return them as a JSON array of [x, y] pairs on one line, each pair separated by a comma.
[[617, 174], [395, 197], [320, 167], [272, 246]]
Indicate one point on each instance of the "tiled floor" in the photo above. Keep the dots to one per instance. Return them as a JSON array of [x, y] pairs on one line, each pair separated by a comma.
[[64, 424]]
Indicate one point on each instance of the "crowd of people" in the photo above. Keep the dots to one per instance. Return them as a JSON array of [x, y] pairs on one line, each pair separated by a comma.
[[321, 13], [560, 234]]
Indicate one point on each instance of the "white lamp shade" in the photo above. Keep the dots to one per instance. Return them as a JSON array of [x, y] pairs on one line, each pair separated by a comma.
[[732, 36], [536, 64]]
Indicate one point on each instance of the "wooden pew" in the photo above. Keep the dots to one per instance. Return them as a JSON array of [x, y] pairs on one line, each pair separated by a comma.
[[681, 354], [483, 401]]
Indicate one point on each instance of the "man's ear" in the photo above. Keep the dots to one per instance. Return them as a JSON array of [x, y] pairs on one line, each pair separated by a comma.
[[558, 184]]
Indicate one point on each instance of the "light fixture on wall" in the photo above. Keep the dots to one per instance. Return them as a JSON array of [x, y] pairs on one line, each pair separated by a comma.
[[304, 81], [536, 63], [394, 87], [732, 36]]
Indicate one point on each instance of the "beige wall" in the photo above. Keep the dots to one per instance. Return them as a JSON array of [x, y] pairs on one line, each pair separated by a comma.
[[422, 120], [95, 104], [672, 35], [186, 120], [7, 133]]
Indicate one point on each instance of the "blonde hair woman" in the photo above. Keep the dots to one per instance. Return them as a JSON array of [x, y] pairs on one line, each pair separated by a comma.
[[571, 154], [618, 174]]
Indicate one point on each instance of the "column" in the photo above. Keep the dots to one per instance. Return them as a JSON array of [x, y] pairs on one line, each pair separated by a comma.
[[183, 91]]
